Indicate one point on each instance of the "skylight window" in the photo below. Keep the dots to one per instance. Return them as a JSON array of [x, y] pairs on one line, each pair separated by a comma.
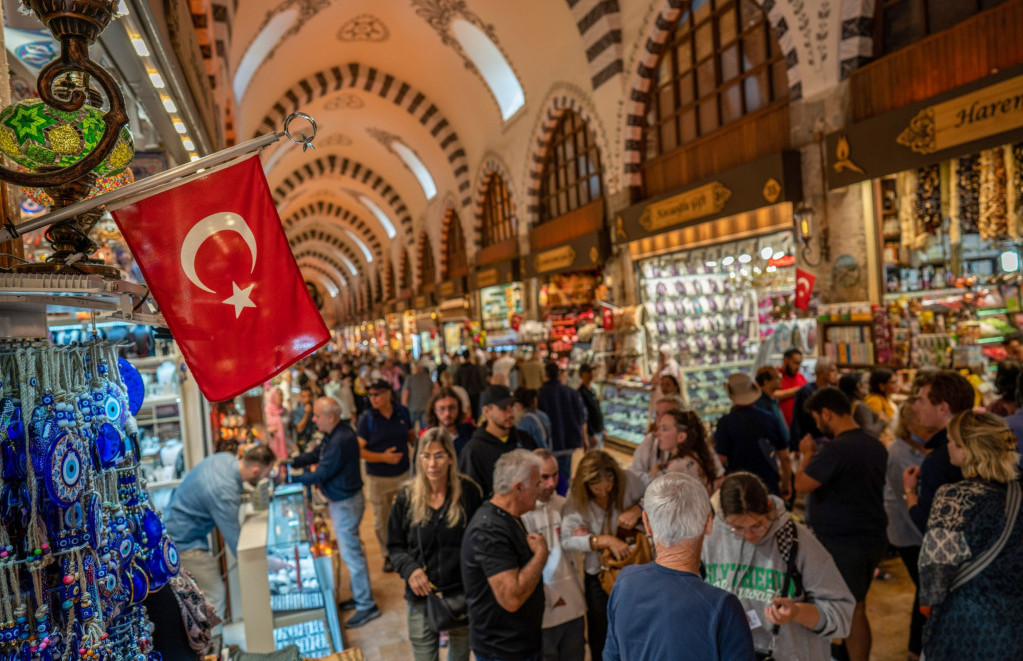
[[381, 216], [348, 263], [491, 64], [362, 246], [417, 167], [259, 48]]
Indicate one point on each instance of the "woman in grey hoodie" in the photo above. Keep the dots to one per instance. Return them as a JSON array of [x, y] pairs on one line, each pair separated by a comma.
[[793, 614]]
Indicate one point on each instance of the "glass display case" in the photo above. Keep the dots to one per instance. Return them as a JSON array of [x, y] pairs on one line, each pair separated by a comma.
[[300, 576], [626, 411]]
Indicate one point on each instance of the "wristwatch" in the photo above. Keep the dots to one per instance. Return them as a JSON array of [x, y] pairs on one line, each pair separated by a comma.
[[593, 542]]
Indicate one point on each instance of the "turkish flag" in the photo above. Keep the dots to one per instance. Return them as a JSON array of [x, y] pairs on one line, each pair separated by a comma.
[[216, 260], [804, 288]]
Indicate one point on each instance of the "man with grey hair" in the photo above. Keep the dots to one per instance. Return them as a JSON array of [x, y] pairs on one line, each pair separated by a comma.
[[826, 372], [502, 565], [659, 609]]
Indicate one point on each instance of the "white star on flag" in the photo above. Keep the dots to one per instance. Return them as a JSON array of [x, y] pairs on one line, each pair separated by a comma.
[[240, 299]]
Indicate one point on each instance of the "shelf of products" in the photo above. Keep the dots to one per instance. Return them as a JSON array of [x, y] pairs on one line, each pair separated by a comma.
[[498, 307], [714, 306], [626, 404]]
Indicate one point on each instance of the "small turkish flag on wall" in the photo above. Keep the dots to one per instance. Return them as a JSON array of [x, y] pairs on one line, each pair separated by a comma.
[[215, 258], [804, 288]]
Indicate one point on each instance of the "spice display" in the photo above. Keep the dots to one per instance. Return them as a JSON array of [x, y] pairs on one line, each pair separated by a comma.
[[968, 173], [993, 203], [928, 198]]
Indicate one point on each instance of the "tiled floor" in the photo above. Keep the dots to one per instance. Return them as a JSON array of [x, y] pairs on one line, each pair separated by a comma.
[[386, 639]]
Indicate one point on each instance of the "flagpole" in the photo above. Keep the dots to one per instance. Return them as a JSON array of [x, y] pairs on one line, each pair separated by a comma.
[[159, 182]]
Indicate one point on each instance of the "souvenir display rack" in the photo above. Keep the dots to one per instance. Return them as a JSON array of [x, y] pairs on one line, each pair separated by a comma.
[[626, 406], [498, 305]]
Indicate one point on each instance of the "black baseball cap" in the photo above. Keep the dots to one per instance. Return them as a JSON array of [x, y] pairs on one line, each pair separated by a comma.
[[380, 384], [499, 396]]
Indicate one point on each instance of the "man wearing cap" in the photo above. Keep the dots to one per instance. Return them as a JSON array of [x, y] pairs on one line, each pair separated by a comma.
[[748, 438], [493, 439], [385, 433]]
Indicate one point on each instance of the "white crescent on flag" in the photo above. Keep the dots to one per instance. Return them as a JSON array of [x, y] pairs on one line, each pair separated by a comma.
[[222, 221]]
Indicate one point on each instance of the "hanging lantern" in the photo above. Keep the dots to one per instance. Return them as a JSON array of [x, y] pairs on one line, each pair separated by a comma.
[[35, 135], [102, 185]]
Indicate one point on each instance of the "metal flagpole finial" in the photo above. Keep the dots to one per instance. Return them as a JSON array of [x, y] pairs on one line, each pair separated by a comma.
[[302, 139]]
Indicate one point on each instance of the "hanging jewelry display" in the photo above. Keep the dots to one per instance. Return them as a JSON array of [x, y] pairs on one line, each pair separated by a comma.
[[928, 198], [969, 172], [81, 545]]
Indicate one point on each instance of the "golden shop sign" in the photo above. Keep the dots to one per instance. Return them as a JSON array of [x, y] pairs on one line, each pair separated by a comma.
[[992, 110], [555, 260], [981, 115], [487, 278], [690, 205]]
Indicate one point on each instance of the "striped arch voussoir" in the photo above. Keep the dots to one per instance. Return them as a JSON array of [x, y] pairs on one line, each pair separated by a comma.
[[386, 86], [600, 27], [318, 236], [339, 165], [336, 213], [491, 166]]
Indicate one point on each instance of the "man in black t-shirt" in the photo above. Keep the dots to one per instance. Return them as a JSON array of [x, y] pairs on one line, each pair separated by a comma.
[[845, 506], [750, 439], [502, 566]]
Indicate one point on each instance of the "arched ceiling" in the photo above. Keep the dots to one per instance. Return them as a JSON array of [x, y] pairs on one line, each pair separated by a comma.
[[374, 74]]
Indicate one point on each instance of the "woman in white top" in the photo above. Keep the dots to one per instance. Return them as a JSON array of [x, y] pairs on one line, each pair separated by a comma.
[[603, 499], [646, 453]]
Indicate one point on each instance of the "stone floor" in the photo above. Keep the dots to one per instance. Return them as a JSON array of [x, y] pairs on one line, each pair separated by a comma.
[[386, 638]]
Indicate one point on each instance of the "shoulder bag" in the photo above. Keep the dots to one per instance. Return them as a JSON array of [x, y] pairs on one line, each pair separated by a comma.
[[974, 567], [640, 554], [444, 610]]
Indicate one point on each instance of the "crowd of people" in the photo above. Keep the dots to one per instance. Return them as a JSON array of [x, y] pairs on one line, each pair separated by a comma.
[[766, 534]]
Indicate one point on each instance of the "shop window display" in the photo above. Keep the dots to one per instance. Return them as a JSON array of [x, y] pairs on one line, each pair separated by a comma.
[[714, 306], [499, 307]]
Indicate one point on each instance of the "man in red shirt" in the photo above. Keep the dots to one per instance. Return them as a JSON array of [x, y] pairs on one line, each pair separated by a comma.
[[791, 381]]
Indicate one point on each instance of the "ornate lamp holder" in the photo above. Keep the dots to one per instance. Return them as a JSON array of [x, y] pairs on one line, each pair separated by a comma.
[[62, 143]]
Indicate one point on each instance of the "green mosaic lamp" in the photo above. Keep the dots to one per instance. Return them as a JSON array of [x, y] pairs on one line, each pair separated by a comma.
[[37, 137]]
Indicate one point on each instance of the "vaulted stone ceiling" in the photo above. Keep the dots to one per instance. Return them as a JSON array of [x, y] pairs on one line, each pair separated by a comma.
[[375, 73]]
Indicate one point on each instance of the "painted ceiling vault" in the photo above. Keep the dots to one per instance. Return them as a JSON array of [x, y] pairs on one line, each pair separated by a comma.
[[420, 102]]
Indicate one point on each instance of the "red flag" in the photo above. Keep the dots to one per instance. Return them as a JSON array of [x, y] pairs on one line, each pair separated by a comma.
[[804, 288], [216, 260]]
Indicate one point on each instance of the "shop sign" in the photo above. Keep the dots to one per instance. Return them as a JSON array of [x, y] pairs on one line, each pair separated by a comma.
[[586, 252], [422, 301], [697, 203], [765, 181], [451, 288], [981, 115], [487, 278], [555, 260], [500, 273]]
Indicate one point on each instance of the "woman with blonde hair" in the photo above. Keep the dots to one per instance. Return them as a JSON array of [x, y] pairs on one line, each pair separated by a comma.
[[603, 501], [972, 554], [424, 539]]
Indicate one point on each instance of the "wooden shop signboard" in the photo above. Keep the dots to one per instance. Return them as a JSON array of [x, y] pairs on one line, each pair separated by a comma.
[[500, 273], [583, 253], [981, 115], [763, 182]]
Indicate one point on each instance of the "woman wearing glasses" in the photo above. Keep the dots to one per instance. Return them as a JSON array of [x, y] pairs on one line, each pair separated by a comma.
[[793, 595]]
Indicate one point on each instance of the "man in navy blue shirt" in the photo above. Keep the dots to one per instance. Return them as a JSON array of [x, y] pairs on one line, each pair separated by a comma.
[[750, 439], [385, 433], [564, 406], [664, 611], [338, 476]]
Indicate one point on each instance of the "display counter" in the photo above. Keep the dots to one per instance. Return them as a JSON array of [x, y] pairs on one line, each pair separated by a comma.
[[287, 579]]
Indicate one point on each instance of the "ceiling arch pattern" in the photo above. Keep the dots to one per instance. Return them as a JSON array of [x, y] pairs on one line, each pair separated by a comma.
[[600, 27], [309, 250], [646, 72], [329, 303], [339, 165], [313, 265], [491, 166], [388, 87], [329, 210], [322, 236], [426, 272], [556, 107], [327, 264]]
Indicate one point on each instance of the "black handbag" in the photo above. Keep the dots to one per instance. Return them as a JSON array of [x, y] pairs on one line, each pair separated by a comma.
[[444, 610]]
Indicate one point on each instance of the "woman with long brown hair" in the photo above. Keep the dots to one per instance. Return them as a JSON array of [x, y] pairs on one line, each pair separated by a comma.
[[683, 446], [424, 538], [603, 499]]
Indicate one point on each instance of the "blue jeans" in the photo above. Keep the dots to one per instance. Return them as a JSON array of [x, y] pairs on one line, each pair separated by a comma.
[[346, 516]]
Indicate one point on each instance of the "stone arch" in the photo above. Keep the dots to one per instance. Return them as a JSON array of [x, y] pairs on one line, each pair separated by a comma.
[[646, 70], [339, 165], [492, 165], [325, 209], [386, 86], [314, 265], [600, 27], [857, 45], [338, 243], [325, 258], [390, 291], [560, 101], [425, 261]]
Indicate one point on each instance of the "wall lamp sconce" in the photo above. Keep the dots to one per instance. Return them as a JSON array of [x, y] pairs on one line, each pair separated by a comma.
[[806, 228]]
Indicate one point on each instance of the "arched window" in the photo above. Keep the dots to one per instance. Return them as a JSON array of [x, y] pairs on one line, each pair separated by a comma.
[[571, 175], [427, 270], [498, 220], [722, 61], [456, 261]]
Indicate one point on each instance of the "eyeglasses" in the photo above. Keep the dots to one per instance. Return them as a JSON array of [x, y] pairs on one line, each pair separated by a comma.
[[755, 529]]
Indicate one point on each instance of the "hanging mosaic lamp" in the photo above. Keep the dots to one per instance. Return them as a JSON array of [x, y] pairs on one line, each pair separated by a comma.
[[35, 135], [102, 185]]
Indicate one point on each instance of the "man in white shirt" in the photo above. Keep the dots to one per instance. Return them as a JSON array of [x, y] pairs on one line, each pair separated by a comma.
[[564, 635]]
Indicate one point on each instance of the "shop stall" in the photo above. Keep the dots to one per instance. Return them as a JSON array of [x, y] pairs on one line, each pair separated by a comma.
[[500, 303], [715, 267], [945, 177]]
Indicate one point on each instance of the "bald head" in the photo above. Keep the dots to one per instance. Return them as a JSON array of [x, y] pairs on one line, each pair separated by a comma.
[[326, 414]]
